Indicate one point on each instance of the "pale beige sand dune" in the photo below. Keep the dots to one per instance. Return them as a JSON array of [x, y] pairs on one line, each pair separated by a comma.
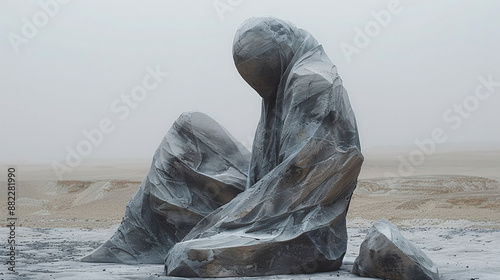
[[128, 169], [471, 163], [428, 199], [448, 186]]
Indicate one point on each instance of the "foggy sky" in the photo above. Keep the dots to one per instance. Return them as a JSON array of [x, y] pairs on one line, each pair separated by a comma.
[[423, 69]]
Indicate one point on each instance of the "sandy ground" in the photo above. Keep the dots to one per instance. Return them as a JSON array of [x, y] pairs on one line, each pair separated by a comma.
[[448, 206]]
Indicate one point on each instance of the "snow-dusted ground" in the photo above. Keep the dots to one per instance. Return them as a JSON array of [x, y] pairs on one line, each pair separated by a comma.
[[54, 253]]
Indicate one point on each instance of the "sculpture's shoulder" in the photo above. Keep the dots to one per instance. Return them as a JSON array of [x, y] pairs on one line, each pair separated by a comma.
[[313, 79], [313, 72]]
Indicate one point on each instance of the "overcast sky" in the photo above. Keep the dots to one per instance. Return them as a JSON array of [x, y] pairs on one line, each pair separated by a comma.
[[410, 67]]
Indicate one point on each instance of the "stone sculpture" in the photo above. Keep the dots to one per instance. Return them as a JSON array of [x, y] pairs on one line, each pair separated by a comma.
[[386, 254], [305, 163], [306, 157]]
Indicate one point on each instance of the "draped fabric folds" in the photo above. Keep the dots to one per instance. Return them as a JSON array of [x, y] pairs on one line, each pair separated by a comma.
[[280, 210]]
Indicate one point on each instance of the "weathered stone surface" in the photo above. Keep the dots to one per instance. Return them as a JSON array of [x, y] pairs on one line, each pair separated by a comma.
[[197, 168], [386, 254], [305, 162]]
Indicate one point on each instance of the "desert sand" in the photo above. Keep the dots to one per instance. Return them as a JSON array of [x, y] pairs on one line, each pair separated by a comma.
[[448, 206]]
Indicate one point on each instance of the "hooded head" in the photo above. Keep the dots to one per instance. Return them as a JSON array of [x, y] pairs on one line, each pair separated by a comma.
[[263, 48]]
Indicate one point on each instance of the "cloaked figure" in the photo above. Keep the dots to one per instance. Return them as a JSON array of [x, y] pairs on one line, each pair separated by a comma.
[[306, 157]]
